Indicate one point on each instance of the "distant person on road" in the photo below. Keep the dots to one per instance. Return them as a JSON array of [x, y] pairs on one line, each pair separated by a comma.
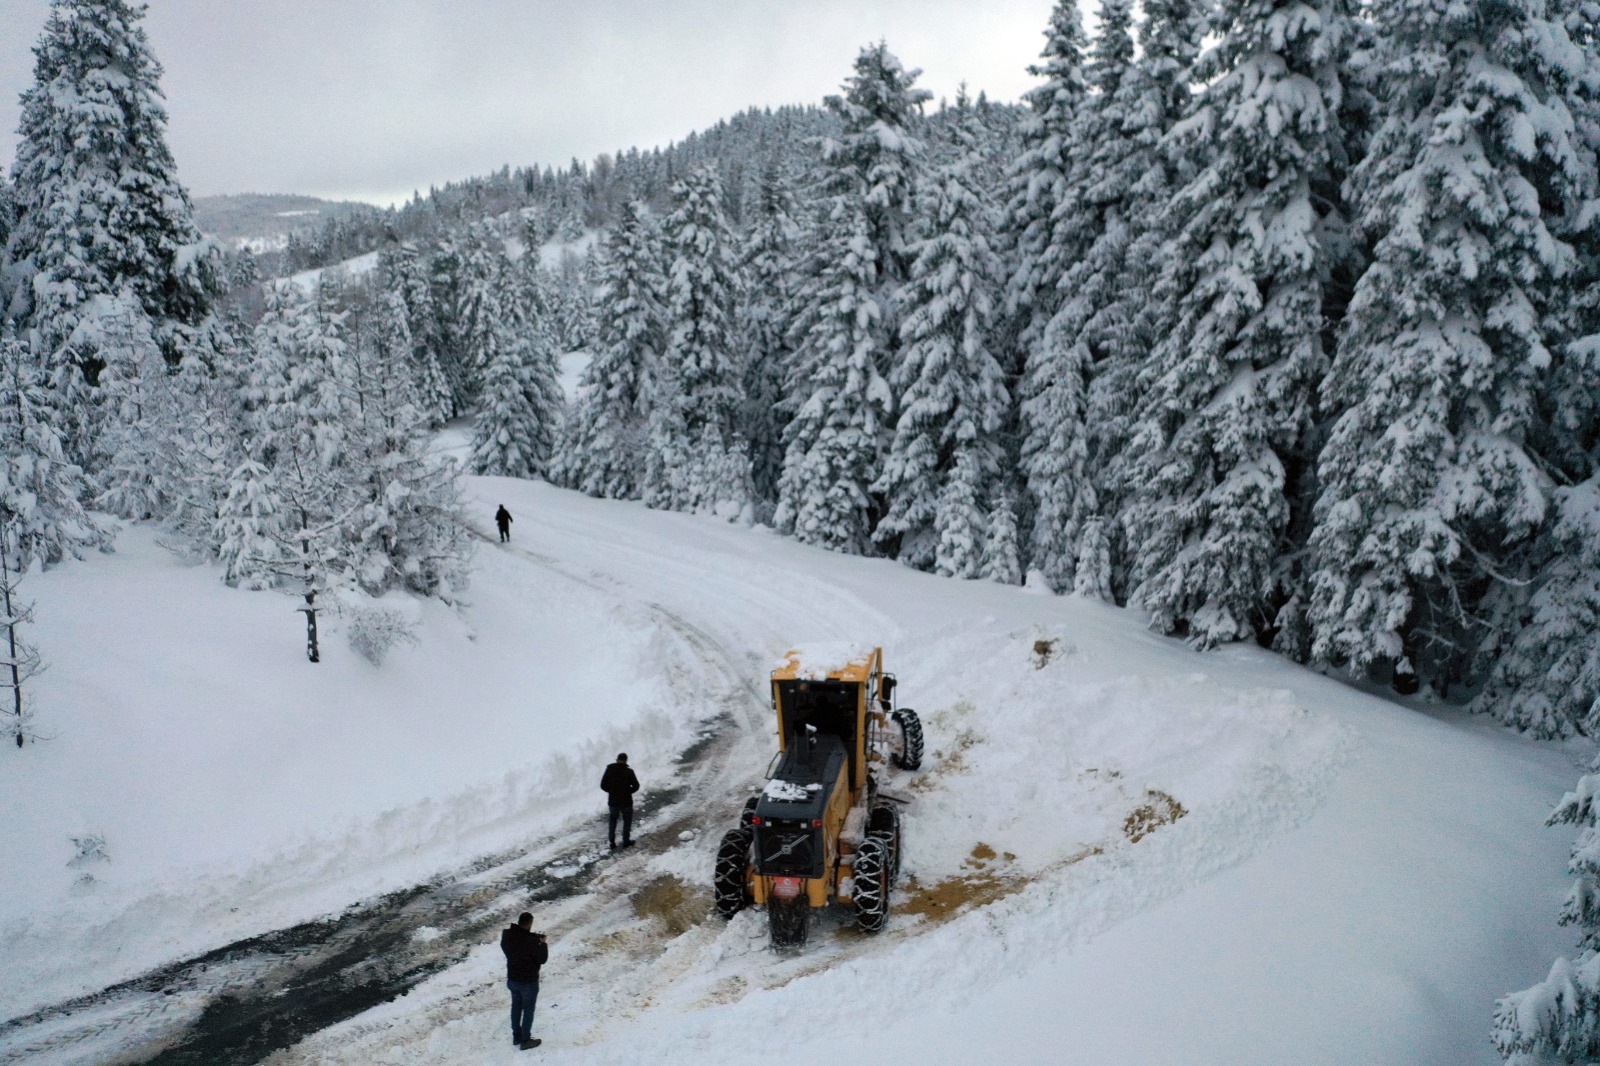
[[619, 785], [502, 520], [525, 952]]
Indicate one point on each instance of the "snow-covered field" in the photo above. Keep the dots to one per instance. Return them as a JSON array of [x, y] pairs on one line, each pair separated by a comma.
[[1119, 850]]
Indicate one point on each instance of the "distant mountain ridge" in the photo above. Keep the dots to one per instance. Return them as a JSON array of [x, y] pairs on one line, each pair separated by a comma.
[[250, 217]]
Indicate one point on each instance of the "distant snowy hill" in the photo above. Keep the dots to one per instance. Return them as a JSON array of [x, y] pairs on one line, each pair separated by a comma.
[[265, 221]]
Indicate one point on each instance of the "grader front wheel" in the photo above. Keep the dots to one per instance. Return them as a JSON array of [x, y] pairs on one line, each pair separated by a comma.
[[909, 757]]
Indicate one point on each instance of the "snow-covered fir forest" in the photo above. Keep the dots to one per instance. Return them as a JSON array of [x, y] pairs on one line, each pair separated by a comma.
[[1277, 321]]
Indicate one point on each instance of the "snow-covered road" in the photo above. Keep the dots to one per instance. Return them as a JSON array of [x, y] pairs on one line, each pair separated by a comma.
[[1348, 881]]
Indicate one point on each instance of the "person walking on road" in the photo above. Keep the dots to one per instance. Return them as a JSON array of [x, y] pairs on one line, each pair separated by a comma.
[[525, 952], [502, 520], [619, 785]]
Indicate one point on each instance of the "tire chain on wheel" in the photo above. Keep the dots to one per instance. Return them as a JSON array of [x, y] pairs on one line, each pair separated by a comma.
[[910, 755], [871, 891], [730, 882], [884, 822], [749, 811]]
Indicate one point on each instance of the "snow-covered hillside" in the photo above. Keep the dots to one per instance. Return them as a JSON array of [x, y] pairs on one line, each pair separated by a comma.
[[1119, 850]]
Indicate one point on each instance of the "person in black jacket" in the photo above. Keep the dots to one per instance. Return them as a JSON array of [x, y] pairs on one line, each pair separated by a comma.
[[619, 785], [525, 952], [502, 520]]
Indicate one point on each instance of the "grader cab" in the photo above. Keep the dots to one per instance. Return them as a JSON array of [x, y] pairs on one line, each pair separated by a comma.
[[820, 832]]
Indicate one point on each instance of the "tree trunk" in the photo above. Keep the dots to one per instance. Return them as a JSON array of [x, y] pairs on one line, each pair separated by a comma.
[[11, 638], [310, 611]]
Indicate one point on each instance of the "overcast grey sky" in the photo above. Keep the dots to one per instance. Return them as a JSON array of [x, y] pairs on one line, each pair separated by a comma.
[[370, 99]]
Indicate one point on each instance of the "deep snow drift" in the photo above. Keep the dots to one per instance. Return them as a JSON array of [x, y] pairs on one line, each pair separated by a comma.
[[1118, 850]]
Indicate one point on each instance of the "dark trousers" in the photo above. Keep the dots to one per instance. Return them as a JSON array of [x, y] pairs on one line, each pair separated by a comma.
[[524, 994], [626, 814], [505, 534]]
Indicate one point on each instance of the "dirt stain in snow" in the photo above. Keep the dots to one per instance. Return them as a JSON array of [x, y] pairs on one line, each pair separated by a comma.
[[988, 877], [1158, 809], [728, 990], [674, 905]]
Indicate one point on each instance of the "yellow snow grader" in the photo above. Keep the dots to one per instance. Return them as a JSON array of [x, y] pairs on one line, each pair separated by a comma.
[[820, 832]]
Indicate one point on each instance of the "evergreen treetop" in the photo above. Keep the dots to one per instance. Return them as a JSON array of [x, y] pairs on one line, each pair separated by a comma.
[[98, 203], [878, 153]]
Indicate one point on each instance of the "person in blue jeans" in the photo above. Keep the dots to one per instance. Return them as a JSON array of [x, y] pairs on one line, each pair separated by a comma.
[[525, 952]]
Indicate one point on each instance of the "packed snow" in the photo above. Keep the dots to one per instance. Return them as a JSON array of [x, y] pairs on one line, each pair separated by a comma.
[[1118, 849], [789, 791], [815, 661]]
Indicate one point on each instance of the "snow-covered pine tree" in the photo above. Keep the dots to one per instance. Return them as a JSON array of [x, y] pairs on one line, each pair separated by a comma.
[[41, 491], [960, 520], [402, 525], [949, 389], [521, 407], [846, 331], [769, 268], [210, 389], [1078, 379], [1002, 545], [663, 481], [1036, 187], [1092, 576], [1222, 440], [99, 207], [1088, 237], [568, 294], [1558, 1019], [1548, 680], [8, 219], [304, 427], [1545, 674], [447, 283], [1430, 496], [247, 529], [405, 277], [839, 399], [1054, 460], [136, 448], [701, 421], [1150, 99], [602, 451], [486, 302]]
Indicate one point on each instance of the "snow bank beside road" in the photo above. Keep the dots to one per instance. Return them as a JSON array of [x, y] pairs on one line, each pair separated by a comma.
[[239, 787]]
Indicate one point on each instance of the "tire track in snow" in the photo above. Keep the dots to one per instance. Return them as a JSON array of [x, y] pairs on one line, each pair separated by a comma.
[[618, 963]]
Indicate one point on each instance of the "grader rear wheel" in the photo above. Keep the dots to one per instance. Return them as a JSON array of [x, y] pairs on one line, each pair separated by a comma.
[[788, 921], [883, 821], [871, 891], [731, 881]]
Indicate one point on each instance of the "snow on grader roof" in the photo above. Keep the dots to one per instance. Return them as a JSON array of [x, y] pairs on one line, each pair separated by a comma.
[[830, 661]]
